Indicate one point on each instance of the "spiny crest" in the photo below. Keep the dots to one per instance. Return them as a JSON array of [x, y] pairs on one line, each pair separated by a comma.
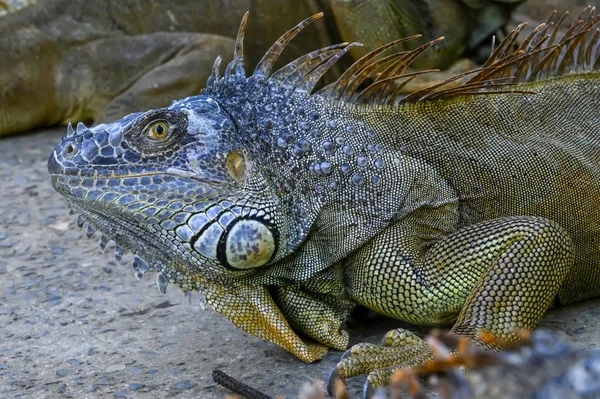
[[378, 79]]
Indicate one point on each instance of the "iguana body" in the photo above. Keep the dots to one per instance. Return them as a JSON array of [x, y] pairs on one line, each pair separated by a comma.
[[473, 206], [71, 60]]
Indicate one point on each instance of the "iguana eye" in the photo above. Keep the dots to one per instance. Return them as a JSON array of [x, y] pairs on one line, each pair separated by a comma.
[[158, 130]]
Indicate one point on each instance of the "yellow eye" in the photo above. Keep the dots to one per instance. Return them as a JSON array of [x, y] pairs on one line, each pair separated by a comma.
[[158, 130]]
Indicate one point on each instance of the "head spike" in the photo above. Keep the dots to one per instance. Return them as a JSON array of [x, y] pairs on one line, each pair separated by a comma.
[[237, 65], [215, 72], [312, 78], [265, 65], [298, 68], [81, 128], [70, 130], [354, 69], [364, 73], [216, 66]]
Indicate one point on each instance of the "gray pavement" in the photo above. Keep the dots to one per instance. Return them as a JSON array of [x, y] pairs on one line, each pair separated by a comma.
[[74, 323]]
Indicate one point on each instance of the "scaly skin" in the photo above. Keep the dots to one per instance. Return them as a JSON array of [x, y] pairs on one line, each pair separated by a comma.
[[79, 60], [474, 207]]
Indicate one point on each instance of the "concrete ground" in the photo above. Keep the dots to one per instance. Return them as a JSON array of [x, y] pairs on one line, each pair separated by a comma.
[[74, 323]]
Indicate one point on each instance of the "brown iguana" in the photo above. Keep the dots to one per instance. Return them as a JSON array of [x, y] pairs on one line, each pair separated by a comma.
[[474, 206], [70, 60]]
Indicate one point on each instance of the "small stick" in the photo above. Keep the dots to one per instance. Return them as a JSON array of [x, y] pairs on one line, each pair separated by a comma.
[[237, 386]]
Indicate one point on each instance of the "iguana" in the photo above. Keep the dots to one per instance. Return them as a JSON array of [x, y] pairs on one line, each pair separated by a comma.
[[473, 206], [71, 60]]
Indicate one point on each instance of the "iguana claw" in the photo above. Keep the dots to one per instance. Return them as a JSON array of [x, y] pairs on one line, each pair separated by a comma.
[[367, 390], [333, 380]]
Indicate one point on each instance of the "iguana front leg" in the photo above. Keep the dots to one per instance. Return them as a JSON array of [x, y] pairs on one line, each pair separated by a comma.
[[499, 275]]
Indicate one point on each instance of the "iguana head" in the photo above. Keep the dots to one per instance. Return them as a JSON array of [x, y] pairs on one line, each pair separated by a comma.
[[176, 187]]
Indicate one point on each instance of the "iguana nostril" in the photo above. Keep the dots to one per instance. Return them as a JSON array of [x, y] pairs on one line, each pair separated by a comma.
[[70, 150]]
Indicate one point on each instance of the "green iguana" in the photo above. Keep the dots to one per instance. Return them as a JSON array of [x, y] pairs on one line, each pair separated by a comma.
[[71, 60], [474, 206]]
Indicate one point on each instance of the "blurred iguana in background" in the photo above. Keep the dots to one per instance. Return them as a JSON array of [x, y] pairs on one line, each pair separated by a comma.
[[81, 60]]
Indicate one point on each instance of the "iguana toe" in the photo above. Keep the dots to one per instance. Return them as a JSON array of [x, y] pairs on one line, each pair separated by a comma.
[[399, 349]]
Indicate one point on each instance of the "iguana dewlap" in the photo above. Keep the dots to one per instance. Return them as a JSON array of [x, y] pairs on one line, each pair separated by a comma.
[[474, 206]]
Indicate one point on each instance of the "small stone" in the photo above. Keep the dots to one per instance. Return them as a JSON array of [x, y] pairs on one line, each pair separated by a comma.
[[135, 387], [183, 385], [73, 362], [62, 372], [121, 394], [115, 367]]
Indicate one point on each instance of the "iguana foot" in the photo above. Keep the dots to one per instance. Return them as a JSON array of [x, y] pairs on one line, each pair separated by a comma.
[[399, 349]]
